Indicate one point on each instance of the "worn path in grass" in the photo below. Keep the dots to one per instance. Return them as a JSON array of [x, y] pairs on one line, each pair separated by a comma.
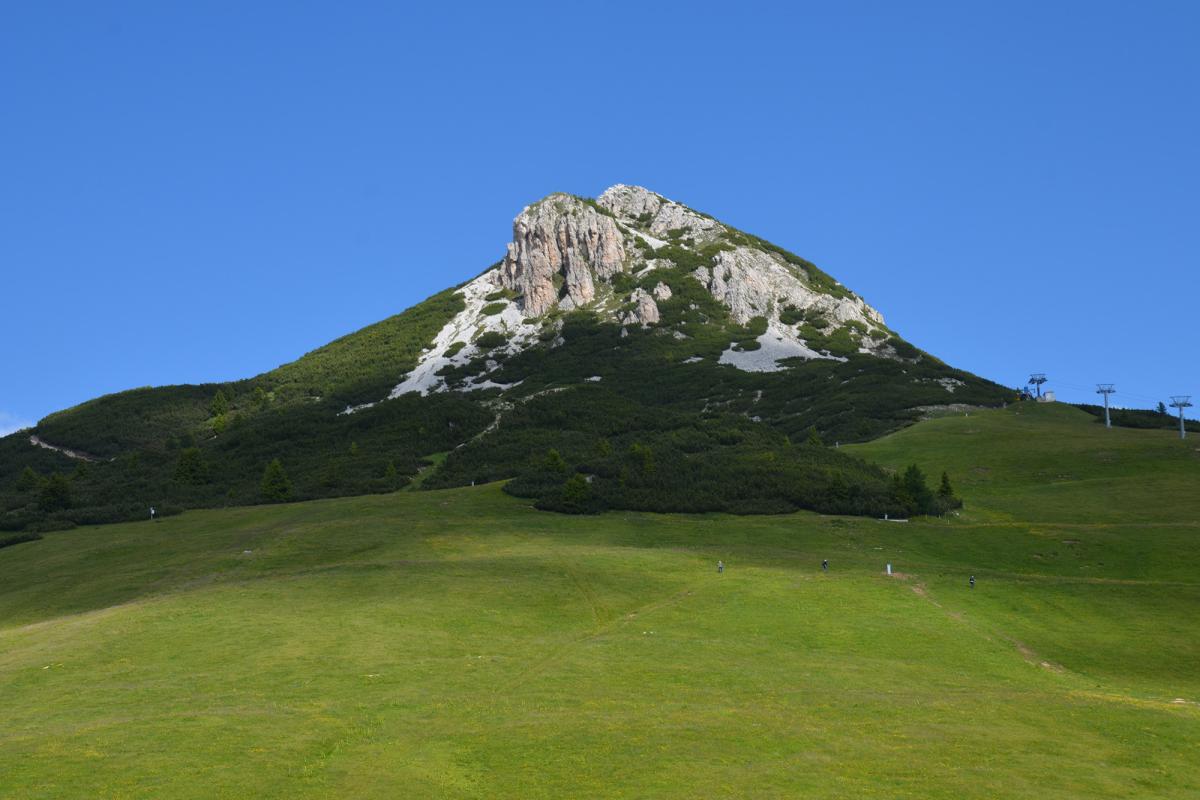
[[460, 644]]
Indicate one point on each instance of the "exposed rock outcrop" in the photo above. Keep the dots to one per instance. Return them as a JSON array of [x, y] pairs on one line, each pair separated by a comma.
[[635, 205], [645, 310], [561, 236], [756, 283]]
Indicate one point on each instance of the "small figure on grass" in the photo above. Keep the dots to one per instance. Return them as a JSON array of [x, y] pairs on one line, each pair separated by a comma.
[[825, 565], [152, 519], [972, 581], [720, 567]]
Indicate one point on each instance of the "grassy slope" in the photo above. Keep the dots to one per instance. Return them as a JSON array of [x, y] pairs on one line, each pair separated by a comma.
[[460, 644]]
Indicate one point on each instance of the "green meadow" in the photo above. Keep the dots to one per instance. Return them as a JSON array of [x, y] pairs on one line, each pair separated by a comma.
[[461, 644]]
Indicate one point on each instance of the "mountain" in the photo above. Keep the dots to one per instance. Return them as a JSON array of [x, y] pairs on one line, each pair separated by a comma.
[[626, 352]]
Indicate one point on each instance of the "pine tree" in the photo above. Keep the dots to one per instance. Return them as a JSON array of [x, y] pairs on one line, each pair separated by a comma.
[[55, 494], [1162, 408], [275, 486], [554, 461], [577, 491], [219, 406], [190, 468], [946, 501], [814, 438], [916, 488], [28, 480]]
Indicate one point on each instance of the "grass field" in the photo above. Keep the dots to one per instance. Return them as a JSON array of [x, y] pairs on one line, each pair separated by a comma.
[[460, 644]]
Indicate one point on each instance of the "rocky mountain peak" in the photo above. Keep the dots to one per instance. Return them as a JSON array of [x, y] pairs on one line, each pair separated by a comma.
[[656, 214], [622, 255]]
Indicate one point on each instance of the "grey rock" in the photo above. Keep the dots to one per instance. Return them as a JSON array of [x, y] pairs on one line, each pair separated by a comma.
[[645, 310], [561, 235]]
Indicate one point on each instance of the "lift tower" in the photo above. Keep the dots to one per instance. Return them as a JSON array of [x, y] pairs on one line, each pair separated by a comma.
[[1037, 379], [1106, 389], [1181, 401]]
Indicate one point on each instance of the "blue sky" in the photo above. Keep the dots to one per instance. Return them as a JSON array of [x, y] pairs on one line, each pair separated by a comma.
[[200, 192]]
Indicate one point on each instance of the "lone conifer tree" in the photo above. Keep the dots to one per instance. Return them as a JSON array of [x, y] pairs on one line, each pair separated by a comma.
[[275, 485], [219, 405], [945, 491]]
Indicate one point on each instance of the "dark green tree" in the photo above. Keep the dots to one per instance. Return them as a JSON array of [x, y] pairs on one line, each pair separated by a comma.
[[917, 489], [814, 438], [644, 456], [1162, 407], [219, 405], [28, 480], [577, 491], [946, 499], [275, 486], [190, 468], [554, 461], [55, 494]]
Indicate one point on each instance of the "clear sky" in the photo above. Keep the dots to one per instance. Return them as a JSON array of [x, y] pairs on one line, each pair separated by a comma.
[[201, 191]]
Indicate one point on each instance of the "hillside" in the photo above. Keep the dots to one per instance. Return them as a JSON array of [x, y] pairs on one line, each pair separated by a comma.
[[459, 644], [675, 362]]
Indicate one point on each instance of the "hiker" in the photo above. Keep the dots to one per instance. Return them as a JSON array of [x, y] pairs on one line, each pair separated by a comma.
[[720, 567], [825, 564], [152, 513], [972, 581]]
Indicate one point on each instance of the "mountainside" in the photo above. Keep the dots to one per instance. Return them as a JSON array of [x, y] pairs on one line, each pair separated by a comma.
[[669, 361]]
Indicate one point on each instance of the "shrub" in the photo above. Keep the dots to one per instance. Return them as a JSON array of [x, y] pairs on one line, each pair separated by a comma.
[[790, 315], [491, 309], [491, 340], [454, 349]]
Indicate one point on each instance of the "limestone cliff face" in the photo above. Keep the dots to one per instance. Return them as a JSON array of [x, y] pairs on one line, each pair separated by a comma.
[[558, 245], [756, 283]]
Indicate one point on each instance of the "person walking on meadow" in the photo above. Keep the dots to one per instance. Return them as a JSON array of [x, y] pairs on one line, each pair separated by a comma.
[[720, 567]]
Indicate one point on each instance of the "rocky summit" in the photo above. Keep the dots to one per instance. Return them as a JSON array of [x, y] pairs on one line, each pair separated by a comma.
[[625, 351], [570, 254]]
